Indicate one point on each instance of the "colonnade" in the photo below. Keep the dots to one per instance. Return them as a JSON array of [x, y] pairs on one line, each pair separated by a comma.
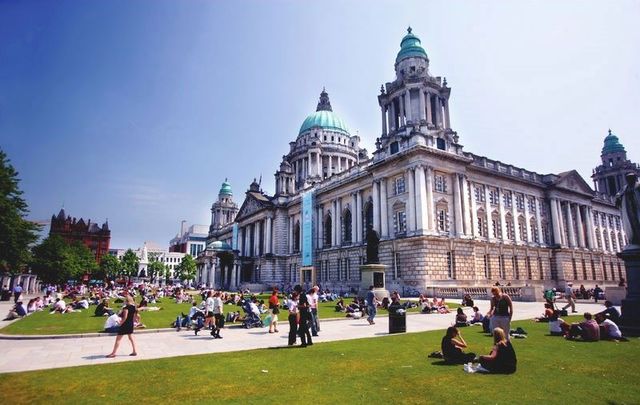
[[415, 104], [315, 163], [262, 240]]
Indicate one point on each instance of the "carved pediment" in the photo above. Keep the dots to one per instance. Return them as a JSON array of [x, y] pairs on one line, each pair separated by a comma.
[[572, 181], [252, 205]]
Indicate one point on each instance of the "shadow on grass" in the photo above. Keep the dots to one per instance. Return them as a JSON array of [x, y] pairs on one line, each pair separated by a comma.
[[444, 363]]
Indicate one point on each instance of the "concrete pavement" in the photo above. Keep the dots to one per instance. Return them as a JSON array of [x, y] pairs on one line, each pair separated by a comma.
[[23, 355]]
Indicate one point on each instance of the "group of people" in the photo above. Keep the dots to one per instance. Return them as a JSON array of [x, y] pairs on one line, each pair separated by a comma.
[[601, 326]]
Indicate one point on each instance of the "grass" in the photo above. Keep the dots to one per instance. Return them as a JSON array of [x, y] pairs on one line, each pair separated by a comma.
[[393, 369], [42, 323]]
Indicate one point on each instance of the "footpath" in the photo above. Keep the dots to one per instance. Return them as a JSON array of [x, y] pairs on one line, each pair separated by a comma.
[[30, 354]]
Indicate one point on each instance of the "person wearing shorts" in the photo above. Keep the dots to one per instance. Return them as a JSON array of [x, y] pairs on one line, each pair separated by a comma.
[[501, 311]]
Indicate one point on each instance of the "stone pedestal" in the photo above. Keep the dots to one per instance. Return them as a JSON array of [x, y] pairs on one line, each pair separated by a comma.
[[631, 304], [373, 275]]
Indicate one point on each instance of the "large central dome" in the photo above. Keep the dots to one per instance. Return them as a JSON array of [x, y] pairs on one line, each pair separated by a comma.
[[324, 118]]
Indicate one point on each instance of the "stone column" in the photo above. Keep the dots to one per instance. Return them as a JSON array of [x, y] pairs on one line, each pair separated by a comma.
[[358, 213], [588, 218], [411, 207], [291, 224], [487, 208], [466, 211], [527, 227], [539, 206], [447, 124], [438, 111], [354, 218], [407, 106], [581, 242], [457, 205], [376, 206], [430, 205], [428, 97], [571, 228], [384, 212], [602, 230], [256, 238], [474, 214], [320, 227], [503, 218], [392, 121], [514, 214], [561, 224], [421, 200], [240, 246], [334, 223], [608, 228], [339, 221], [557, 238], [401, 107], [319, 164], [421, 103], [383, 110], [267, 237]]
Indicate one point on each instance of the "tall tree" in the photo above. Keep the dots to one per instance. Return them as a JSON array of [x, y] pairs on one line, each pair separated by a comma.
[[130, 264], [156, 269], [186, 270], [16, 233], [110, 266], [56, 261]]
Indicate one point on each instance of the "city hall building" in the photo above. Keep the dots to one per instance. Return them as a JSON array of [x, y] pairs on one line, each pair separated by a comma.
[[446, 217]]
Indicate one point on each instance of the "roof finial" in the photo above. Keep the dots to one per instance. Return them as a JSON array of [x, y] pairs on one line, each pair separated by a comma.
[[409, 30], [324, 104], [382, 89], [609, 131], [444, 82]]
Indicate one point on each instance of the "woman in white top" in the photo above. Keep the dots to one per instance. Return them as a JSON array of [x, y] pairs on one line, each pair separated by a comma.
[[294, 317]]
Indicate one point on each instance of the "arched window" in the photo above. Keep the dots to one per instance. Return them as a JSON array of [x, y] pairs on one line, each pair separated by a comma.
[[296, 237], [328, 231], [496, 229], [346, 221], [522, 229]]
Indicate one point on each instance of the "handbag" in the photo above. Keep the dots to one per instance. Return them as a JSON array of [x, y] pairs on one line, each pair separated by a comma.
[[275, 310]]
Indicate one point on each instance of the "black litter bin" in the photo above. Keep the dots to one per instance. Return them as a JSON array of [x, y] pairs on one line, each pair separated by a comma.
[[5, 295], [397, 319]]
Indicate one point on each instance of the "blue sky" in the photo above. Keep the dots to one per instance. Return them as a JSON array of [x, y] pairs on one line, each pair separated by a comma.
[[136, 111]]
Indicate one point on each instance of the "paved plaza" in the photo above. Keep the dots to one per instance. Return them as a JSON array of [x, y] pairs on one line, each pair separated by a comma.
[[34, 354]]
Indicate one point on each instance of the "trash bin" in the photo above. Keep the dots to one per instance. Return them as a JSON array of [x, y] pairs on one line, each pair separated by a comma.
[[6, 295], [397, 319]]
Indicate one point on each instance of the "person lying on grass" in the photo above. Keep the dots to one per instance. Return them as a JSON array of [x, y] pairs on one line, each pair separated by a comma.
[[452, 345], [502, 359]]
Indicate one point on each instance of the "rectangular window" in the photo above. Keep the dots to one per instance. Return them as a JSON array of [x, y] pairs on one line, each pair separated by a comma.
[[520, 202], [516, 270], [451, 264], [523, 231], [528, 262], [482, 226], [478, 191], [487, 267], [494, 197], [575, 269], [440, 183], [532, 204], [534, 232], [443, 220], [501, 267], [507, 199], [400, 222], [398, 185], [495, 228]]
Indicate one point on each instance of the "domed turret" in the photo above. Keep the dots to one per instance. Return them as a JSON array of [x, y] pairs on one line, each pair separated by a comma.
[[612, 144], [411, 47], [225, 189], [324, 117]]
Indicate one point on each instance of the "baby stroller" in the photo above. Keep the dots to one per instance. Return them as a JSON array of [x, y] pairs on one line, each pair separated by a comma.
[[251, 320]]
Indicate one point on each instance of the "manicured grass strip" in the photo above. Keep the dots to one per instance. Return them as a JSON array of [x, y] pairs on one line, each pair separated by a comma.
[[392, 369]]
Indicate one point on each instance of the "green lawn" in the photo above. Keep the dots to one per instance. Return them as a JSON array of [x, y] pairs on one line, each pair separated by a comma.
[[392, 369], [42, 323]]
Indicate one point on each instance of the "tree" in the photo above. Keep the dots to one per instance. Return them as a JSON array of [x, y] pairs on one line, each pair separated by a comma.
[[16, 233], [156, 269], [130, 264], [186, 270], [109, 267], [55, 261]]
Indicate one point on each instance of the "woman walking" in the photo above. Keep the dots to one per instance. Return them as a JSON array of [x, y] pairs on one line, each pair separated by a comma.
[[274, 310], [126, 327]]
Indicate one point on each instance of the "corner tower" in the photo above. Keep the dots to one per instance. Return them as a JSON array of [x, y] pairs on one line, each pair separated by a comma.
[[608, 177], [223, 211], [415, 106]]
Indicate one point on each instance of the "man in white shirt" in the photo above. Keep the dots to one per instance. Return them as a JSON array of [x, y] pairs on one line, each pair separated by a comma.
[[312, 297], [611, 330], [571, 298], [112, 324], [218, 313]]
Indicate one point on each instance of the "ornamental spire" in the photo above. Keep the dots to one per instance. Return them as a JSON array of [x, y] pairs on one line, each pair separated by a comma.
[[324, 104]]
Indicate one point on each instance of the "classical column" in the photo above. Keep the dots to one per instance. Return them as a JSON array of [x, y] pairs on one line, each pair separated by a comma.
[[438, 111], [320, 228], [608, 228], [527, 227], [580, 227], [602, 230], [407, 106], [514, 214], [339, 164], [571, 228], [588, 219], [376, 205], [402, 110], [561, 224], [457, 205], [539, 205], [429, 117], [354, 218], [421, 200], [240, 246], [291, 234], [430, 205], [421, 104], [247, 240], [487, 208], [383, 110], [411, 207], [501, 210], [557, 239], [474, 214], [256, 239], [339, 221], [466, 212], [334, 223], [447, 124], [384, 213], [358, 215], [392, 121], [267, 236]]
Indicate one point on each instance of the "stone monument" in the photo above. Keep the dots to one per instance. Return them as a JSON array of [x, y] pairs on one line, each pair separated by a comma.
[[372, 271], [628, 199]]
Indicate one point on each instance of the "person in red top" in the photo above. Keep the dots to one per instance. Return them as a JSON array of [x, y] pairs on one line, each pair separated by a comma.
[[274, 310], [588, 330]]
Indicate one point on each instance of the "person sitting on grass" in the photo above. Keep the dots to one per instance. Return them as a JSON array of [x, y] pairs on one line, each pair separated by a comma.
[[467, 301], [442, 307], [18, 311], [557, 326], [112, 324], [461, 318], [588, 330], [477, 316], [340, 307], [608, 329], [548, 313], [61, 307], [103, 309], [611, 312], [502, 359], [452, 345], [80, 304]]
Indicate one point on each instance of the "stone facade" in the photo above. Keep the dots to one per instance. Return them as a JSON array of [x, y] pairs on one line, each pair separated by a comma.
[[446, 217]]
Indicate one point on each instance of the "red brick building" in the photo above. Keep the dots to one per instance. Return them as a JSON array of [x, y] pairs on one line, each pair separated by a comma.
[[95, 237]]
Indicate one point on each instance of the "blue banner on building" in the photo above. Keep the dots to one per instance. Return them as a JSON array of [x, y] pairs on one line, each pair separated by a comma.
[[234, 238], [307, 228]]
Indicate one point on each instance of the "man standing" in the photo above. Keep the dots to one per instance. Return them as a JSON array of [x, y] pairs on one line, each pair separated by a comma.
[[17, 292], [218, 313], [372, 303], [312, 297], [501, 311], [596, 293], [571, 298]]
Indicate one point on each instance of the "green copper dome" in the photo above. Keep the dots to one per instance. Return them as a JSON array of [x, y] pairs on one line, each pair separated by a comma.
[[225, 189], [410, 47], [219, 246], [612, 144], [324, 117]]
